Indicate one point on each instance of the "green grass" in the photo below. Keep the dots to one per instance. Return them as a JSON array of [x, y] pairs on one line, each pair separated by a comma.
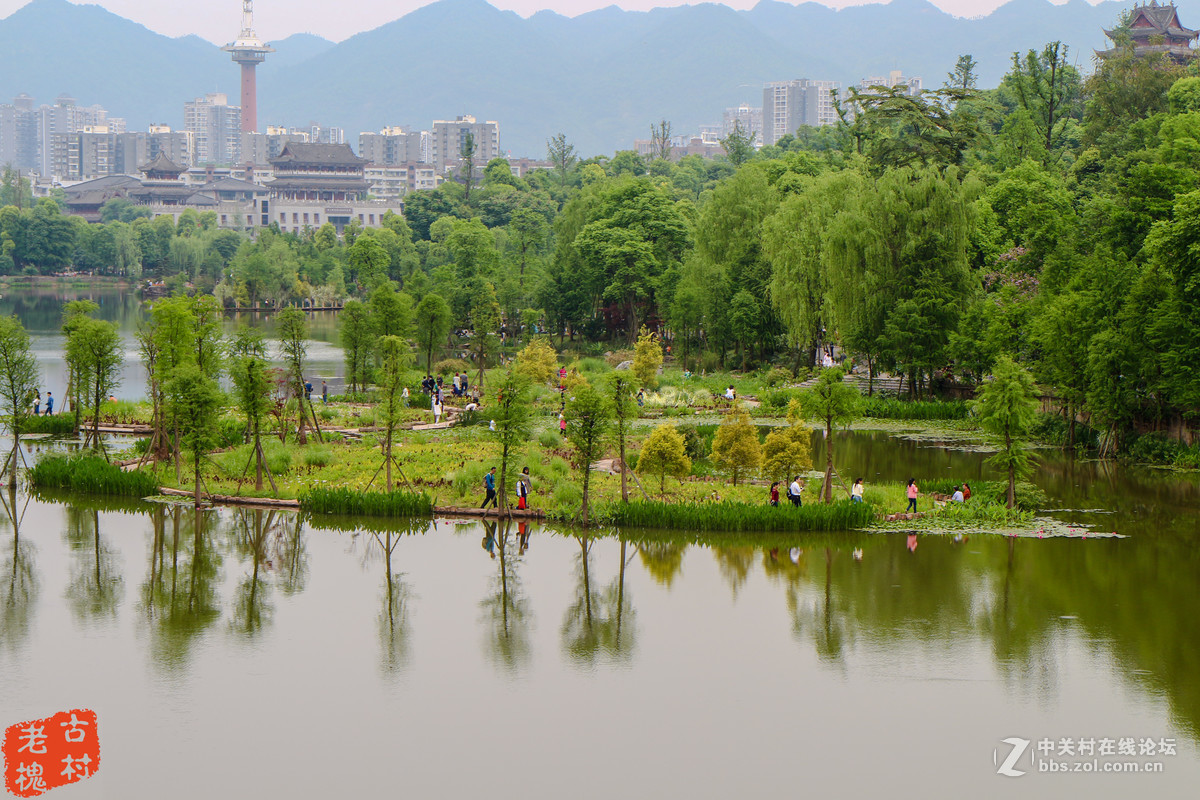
[[90, 475], [730, 515], [888, 408], [370, 504], [56, 425]]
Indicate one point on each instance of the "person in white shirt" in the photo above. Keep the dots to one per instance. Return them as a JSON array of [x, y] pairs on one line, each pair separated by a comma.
[[730, 394], [794, 491], [958, 496], [856, 492]]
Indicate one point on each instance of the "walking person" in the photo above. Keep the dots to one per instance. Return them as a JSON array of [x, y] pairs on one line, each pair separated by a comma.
[[775, 494], [794, 492], [49, 403], [489, 483], [562, 425], [308, 391], [324, 392], [457, 384], [913, 491], [856, 491], [523, 490], [437, 410], [404, 397], [37, 403], [466, 384]]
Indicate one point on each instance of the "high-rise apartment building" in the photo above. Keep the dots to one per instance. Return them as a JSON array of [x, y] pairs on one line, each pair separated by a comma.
[[747, 117], [177, 147], [789, 104], [393, 146], [215, 127], [893, 79], [449, 136]]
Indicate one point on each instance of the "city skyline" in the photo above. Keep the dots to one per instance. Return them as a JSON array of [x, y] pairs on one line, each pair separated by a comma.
[[282, 18]]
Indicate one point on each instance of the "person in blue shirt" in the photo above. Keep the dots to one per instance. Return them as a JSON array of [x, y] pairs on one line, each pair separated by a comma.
[[489, 483], [49, 403]]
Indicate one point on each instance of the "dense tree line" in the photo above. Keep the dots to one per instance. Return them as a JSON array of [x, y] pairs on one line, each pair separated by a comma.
[[1050, 219]]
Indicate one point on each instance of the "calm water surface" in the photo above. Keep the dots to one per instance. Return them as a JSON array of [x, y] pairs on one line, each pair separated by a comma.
[[243, 654], [40, 311]]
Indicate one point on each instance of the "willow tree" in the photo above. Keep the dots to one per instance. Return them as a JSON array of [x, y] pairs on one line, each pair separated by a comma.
[[18, 383], [794, 241]]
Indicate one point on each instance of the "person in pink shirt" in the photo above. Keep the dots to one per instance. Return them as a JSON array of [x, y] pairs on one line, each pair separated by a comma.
[[913, 491]]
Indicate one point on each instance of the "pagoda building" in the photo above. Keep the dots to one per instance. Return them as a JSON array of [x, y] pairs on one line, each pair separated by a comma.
[[318, 172], [1154, 28], [162, 184]]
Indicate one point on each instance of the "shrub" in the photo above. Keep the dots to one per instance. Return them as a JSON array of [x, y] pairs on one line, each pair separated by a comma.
[[777, 377], [594, 365], [777, 398], [618, 357], [735, 447], [647, 359], [91, 475], [538, 362], [663, 454], [373, 504], [448, 366], [549, 438], [317, 456], [230, 432]]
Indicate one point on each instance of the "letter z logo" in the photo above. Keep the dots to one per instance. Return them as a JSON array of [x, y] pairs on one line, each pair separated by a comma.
[[1019, 746]]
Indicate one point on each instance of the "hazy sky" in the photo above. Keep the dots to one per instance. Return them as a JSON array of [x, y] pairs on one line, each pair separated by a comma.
[[219, 20]]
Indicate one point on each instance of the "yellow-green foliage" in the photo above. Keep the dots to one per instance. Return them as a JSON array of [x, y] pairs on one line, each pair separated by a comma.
[[735, 447], [538, 362], [647, 359], [664, 454], [787, 452]]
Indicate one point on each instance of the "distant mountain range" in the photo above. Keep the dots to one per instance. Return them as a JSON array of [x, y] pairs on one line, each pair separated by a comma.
[[601, 78]]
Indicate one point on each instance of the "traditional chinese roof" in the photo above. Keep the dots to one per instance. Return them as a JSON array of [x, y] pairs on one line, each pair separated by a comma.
[[233, 185], [1155, 28], [296, 155], [161, 166]]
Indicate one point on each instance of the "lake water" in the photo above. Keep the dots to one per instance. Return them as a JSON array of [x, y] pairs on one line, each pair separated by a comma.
[[40, 310], [243, 654]]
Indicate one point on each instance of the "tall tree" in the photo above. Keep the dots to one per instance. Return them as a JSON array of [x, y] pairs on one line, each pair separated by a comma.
[[1048, 88], [433, 324], [467, 154], [396, 357], [358, 336], [292, 329], [94, 348], [834, 403], [561, 154], [1007, 407], [196, 399], [588, 419], [660, 140], [624, 411], [511, 413], [252, 389], [18, 381]]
